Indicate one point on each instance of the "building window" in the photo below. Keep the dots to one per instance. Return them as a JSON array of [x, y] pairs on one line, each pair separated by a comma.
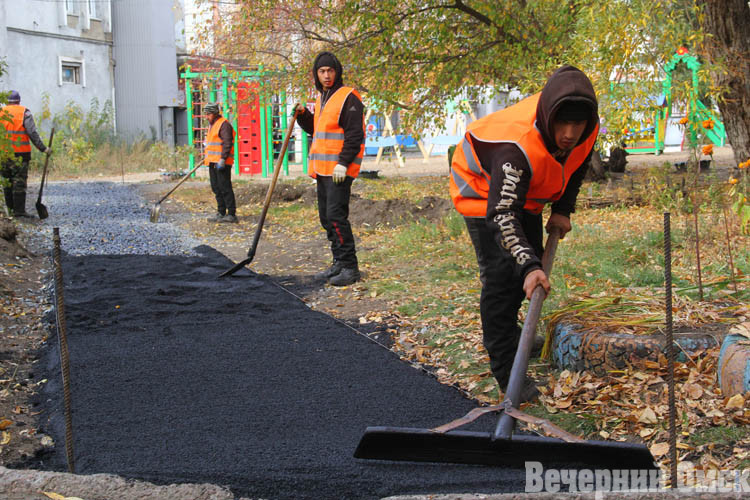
[[93, 9], [72, 71], [69, 6]]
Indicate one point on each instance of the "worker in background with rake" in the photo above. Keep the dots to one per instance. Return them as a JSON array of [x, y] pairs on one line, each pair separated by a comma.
[[510, 164], [219, 159]]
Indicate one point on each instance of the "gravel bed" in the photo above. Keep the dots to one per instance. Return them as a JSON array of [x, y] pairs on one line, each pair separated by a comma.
[[103, 218]]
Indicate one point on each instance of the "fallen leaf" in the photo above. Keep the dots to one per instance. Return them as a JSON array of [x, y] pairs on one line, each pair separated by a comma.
[[659, 449], [735, 402], [5, 423], [693, 390], [648, 416], [6, 438], [53, 496]]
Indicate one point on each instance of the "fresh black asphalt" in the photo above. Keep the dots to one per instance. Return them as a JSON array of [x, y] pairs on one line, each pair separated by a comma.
[[178, 376]]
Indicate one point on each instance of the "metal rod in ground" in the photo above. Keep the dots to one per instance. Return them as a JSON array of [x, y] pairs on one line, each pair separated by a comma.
[[670, 351], [63, 345], [697, 250], [729, 247]]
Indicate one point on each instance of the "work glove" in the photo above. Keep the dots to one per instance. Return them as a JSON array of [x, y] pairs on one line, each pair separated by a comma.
[[48, 151], [339, 173], [221, 164]]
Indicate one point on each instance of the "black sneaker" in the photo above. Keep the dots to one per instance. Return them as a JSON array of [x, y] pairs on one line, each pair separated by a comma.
[[232, 219], [215, 217], [332, 271], [347, 276]]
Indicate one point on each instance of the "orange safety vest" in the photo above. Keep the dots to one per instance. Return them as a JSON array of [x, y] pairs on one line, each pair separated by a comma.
[[15, 129], [328, 138], [470, 181], [213, 144]]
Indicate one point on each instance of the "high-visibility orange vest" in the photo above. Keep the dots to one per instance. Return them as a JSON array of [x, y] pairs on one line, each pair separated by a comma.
[[328, 138], [470, 181], [15, 129], [213, 144]]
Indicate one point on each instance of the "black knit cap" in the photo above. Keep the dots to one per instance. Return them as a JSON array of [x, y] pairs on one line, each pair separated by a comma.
[[326, 59], [573, 111]]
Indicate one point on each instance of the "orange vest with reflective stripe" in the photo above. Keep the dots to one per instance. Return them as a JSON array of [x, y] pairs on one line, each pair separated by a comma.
[[15, 129], [470, 181], [328, 138], [213, 144]]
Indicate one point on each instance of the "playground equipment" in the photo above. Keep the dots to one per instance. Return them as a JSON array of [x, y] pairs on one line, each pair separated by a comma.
[[456, 110], [697, 113], [258, 116], [387, 140]]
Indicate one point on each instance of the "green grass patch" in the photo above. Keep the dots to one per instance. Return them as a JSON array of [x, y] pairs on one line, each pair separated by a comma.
[[580, 424], [721, 435]]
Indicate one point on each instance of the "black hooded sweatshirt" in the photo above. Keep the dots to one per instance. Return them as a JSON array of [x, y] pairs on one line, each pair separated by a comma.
[[567, 84], [351, 118]]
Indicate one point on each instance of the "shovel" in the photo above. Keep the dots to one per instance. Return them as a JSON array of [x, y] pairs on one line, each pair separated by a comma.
[[503, 448], [157, 206], [40, 208], [266, 203]]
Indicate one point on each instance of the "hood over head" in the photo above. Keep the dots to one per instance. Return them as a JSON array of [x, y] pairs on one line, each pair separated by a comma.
[[569, 91], [330, 60], [14, 97]]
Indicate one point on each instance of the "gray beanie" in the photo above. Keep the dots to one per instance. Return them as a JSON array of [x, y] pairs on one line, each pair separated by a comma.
[[212, 107]]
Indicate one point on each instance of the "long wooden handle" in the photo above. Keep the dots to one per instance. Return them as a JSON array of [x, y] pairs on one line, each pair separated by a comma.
[[200, 164], [46, 162], [272, 186]]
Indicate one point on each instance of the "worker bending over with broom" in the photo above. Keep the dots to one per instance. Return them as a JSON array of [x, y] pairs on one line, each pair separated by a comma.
[[508, 166], [338, 145]]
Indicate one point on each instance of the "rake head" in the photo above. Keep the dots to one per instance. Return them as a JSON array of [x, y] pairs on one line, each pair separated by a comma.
[[155, 213]]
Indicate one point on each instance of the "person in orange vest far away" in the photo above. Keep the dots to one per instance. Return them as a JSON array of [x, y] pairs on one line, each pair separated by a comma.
[[509, 165], [21, 131], [219, 159], [338, 145]]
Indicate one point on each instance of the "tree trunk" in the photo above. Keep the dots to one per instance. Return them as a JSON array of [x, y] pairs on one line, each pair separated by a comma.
[[728, 21], [596, 170]]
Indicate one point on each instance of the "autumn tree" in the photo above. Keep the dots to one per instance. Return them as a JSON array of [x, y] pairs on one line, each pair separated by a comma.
[[417, 54], [728, 24]]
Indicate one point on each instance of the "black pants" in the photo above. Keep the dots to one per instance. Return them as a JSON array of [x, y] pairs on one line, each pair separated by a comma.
[[502, 292], [16, 171], [221, 185], [333, 209]]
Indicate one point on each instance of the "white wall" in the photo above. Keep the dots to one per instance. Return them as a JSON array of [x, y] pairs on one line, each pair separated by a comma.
[[35, 35]]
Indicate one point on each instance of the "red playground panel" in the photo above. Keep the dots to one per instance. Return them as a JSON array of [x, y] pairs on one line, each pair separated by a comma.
[[248, 128]]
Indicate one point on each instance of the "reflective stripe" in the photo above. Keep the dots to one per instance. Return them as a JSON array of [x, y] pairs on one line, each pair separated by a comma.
[[463, 187], [329, 135], [213, 143], [470, 160], [324, 157]]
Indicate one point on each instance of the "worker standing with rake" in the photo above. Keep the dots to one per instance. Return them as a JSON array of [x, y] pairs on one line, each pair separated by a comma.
[[509, 165], [338, 130], [219, 159]]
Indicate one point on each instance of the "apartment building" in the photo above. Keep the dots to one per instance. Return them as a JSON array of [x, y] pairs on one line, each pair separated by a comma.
[[122, 51]]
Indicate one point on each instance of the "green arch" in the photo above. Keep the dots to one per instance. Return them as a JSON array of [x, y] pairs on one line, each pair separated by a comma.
[[698, 111]]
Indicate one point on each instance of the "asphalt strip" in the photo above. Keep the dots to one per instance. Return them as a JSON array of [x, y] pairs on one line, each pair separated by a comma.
[[178, 376]]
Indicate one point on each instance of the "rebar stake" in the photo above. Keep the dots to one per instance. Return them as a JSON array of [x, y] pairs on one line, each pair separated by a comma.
[[670, 351], [63, 345]]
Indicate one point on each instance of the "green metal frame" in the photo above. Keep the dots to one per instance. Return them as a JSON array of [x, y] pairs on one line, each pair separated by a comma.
[[223, 83], [698, 111]]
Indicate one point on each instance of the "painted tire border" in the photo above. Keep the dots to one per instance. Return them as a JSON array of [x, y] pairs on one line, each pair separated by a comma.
[[576, 349], [734, 366]]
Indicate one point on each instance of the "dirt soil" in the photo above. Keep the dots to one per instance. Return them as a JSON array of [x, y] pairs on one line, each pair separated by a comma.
[[22, 306]]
